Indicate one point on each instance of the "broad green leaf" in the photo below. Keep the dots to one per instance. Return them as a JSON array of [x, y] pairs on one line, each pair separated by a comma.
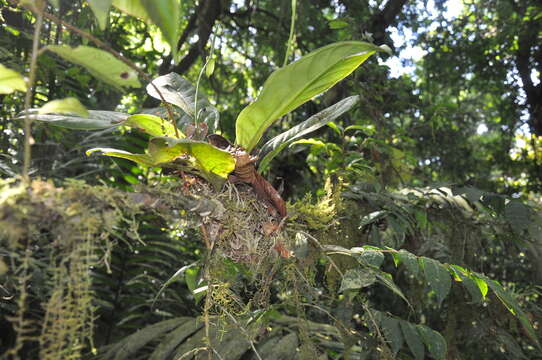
[[512, 305], [96, 120], [194, 282], [68, 105], [206, 157], [392, 332], [410, 261], [132, 7], [10, 81], [152, 125], [99, 63], [412, 338], [368, 257], [434, 342], [100, 8], [291, 86], [143, 159], [438, 278], [180, 92], [315, 122], [166, 14], [355, 279], [387, 280]]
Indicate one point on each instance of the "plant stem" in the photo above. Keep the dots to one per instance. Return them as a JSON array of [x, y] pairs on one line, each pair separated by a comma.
[[292, 33], [27, 154], [113, 52]]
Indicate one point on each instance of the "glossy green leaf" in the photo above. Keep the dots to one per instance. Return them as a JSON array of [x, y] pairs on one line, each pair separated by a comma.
[[355, 279], [291, 86], [178, 91], [10, 81], [96, 120], [315, 122], [468, 281], [438, 278], [142, 159], [413, 340], [152, 125], [206, 157], [434, 342], [392, 332], [99, 63], [100, 8], [68, 105]]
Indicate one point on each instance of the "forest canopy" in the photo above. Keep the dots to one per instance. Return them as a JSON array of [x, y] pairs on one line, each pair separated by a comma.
[[257, 179]]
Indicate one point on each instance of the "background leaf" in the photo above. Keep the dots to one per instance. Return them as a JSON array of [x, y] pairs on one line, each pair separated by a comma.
[[10, 80], [293, 85], [438, 278], [434, 342], [315, 122], [96, 120], [99, 63], [166, 14], [178, 91], [412, 338], [100, 8], [65, 106]]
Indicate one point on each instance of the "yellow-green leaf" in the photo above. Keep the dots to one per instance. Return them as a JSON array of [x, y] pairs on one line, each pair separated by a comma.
[[143, 159], [152, 125], [10, 81], [100, 8], [68, 105], [99, 63]]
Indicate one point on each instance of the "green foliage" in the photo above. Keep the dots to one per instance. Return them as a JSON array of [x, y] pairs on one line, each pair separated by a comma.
[[64, 106], [293, 85], [99, 63], [10, 81]]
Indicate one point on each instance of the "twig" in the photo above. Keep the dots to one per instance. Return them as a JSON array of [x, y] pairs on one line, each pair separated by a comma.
[[113, 52], [28, 97]]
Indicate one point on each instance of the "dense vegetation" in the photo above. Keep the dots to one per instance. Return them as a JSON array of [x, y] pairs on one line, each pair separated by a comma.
[[239, 214]]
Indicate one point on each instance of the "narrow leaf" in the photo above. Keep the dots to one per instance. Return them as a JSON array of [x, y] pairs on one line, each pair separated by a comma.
[[413, 339], [173, 278], [387, 280], [99, 63], [469, 283], [315, 122], [96, 120], [143, 159], [100, 8], [68, 105], [151, 124], [178, 91], [10, 81], [291, 86], [438, 278]]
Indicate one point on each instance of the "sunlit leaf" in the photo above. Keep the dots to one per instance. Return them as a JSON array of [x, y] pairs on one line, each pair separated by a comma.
[[315, 122], [434, 342], [96, 120], [132, 7], [293, 85], [100, 8], [151, 124], [68, 105], [166, 14], [413, 341], [207, 157], [476, 287], [180, 92], [10, 81], [210, 68], [99, 63], [438, 278], [337, 24], [142, 159]]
